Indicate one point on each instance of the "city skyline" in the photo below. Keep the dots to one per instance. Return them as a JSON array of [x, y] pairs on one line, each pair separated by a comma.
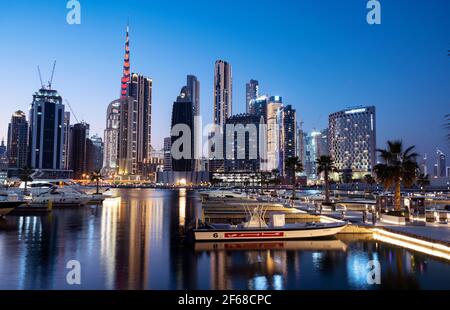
[[394, 81]]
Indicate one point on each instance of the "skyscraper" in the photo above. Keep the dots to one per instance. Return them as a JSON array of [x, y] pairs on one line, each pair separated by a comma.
[[46, 134], [193, 87], [135, 120], [18, 140], [424, 164], [289, 122], [78, 150], [300, 143], [274, 134], [94, 153], [3, 156], [111, 138], [223, 92], [244, 145], [322, 142], [168, 154], [352, 139], [223, 95], [126, 68], [251, 93], [3, 151], [182, 114], [66, 142], [310, 154], [135, 126], [140, 89], [441, 164], [258, 106]]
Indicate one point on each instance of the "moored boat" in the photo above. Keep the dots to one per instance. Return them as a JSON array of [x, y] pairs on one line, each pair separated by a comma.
[[62, 198], [8, 202], [257, 229], [7, 207]]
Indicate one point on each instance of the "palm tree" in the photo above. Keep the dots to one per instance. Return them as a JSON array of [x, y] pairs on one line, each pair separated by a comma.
[[325, 165], [264, 175], [253, 181], [369, 180], [26, 176], [215, 181], [399, 167], [293, 165], [97, 176], [347, 176], [422, 181], [275, 177], [246, 184]]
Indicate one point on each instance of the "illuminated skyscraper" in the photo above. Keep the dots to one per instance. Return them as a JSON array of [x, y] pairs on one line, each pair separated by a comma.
[[3, 151], [352, 139], [274, 134], [46, 134], [193, 91], [223, 92], [111, 138], [322, 143], [3, 156], [310, 154], [135, 120], [18, 140], [168, 154], [424, 165], [245, 148], [66, 143], [288, 136], [300, 143], [78, 149], [251, 93], [182, 114], [126, 68], [223, 95], [94, 153], [258, 106], [441, 164], [193, 87]]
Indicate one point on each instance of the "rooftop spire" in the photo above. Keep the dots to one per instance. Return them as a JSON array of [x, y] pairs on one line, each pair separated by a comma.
[[126, 67]]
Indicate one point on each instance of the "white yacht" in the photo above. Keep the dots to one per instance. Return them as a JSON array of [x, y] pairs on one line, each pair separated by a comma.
[[61, 198], [42, 186]]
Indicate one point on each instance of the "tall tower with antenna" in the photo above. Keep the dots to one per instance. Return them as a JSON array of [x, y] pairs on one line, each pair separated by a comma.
[[126, 67], [135, 126]]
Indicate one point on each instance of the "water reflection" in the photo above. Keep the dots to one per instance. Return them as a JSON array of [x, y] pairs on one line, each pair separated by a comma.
[[136, 242], [108, 239], [182, 207]]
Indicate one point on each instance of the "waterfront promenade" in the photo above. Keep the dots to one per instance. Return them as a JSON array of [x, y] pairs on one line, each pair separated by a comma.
[[431, 238]]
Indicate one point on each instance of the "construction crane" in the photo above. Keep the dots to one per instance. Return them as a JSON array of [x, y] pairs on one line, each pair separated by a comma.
[[40, 76], [51, 77], [70, 107]]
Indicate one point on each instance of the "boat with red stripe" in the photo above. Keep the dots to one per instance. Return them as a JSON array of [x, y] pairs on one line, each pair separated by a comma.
[[255, 228]]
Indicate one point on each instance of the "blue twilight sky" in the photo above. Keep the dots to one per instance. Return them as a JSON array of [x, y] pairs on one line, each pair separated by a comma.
[[320, 55]]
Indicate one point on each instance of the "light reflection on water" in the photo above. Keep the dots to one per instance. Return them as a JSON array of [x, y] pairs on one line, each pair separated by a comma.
[[135, 242]]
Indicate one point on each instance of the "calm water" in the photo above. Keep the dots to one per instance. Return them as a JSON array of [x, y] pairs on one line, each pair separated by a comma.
[[135, 243]]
